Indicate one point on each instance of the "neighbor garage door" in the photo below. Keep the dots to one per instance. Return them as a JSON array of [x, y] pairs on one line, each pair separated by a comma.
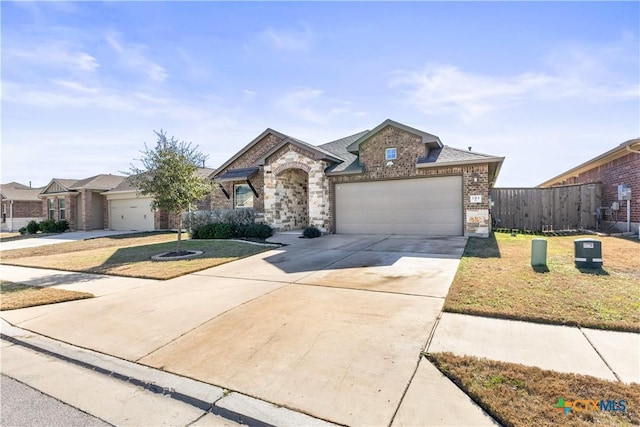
[[131, 214], [425, 206]]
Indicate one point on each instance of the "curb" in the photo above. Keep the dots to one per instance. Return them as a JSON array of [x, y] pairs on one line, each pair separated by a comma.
[[234, 406]]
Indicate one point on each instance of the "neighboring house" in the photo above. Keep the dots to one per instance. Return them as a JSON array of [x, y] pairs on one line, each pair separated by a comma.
[[20, 204], [392, 179], [79, 202], [619, 166], [129, 210]]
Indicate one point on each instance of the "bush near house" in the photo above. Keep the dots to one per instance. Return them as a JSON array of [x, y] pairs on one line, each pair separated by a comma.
[[226, 224], [311, 232], [51, 226], [32, 227]]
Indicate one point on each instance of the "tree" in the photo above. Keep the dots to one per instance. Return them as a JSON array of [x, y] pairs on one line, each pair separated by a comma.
[[169, 176]]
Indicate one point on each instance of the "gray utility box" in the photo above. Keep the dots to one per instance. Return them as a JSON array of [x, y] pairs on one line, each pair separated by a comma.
[[588, 253]]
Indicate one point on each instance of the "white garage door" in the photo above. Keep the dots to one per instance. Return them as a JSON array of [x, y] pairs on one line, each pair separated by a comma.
[[425, 206], [131, 214]]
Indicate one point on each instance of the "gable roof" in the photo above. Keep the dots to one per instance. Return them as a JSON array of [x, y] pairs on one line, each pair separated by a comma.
[[431, 140], [15, 185], [630, 146], [317, 151], [98, 182], [246, 148], [449, 156]]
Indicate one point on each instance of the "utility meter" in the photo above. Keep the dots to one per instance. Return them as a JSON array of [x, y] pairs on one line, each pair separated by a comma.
[[624, 192]]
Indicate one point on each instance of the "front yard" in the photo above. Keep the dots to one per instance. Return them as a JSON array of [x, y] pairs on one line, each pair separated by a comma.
[[130, 255], [495, 278], [15, 295]]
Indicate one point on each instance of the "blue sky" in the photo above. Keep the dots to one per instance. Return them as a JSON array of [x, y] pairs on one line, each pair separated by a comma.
[[547, 85]]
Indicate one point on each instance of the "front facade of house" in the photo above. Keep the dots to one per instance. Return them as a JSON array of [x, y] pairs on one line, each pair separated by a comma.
[[19, 205], [79, 202], [393, 179], [617, 167]]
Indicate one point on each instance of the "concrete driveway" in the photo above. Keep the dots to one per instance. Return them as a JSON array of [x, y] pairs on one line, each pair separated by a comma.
[[70, 236], [332, 327]]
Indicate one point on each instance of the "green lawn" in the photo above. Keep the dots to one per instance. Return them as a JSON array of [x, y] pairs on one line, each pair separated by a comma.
[[131, 256], [495, 278]]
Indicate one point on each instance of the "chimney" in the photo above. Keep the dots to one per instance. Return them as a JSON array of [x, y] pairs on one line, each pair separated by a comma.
[[29, 184]]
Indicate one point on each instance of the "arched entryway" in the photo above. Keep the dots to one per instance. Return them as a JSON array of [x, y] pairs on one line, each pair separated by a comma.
[[292, 199]]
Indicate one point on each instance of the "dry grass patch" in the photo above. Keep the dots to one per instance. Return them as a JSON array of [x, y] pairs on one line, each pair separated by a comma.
[[495, 278], [131, 256], [15, 295], [517, 395]]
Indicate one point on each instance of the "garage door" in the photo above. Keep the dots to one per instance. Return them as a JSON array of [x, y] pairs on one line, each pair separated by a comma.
[[131, 214], [426, 206]]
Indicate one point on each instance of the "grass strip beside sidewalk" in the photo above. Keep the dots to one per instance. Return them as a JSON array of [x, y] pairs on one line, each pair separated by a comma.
[[495, 278], [14, 295], [517, 395]]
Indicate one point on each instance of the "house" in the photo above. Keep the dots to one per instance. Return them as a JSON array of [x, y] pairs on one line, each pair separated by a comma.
[[618, 172], [79, 202], [129, 210], [20, 204], [393, 179]]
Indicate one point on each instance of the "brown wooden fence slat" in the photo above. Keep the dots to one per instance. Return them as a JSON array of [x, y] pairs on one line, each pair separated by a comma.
[[568, 207]]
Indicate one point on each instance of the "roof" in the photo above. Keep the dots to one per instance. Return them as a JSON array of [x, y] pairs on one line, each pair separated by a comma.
[[19, 192], [317, 151], [237, 174], [449, 156], [630, 146], [98, 182], [339, 149], [244, 149], [427, 138], [127, 186]]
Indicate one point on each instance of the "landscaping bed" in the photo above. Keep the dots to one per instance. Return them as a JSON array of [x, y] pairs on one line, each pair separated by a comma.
[[517, 395], [130, 255], [495, 278]]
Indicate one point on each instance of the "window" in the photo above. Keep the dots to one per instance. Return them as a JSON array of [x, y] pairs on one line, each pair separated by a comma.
[[52, 209], [243, 196], [390, 154], [61, 207]]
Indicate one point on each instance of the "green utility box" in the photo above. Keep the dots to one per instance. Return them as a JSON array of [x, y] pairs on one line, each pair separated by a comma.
[[588, 253], [538, 252]]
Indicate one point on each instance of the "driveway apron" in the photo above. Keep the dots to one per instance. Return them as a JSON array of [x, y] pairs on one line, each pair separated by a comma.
[[333, 327]]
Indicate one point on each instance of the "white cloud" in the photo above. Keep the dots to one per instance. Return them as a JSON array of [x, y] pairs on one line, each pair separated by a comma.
[[287, 40], [56, 54], [574, 73], [298, 103], [133, 57]]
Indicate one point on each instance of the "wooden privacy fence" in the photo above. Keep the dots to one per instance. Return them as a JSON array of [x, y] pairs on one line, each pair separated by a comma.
[[569, 207]]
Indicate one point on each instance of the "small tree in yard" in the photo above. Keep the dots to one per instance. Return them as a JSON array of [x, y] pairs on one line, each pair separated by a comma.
[[168, 175]]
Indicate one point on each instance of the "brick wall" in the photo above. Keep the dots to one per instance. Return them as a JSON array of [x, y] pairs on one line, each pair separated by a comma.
[[23, 211], [623, 170], [71, 208]]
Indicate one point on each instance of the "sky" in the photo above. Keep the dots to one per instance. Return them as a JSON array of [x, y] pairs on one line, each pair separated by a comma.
[[547, 85]]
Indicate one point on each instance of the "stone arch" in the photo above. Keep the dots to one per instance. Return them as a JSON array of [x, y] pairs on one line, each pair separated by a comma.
[[291, 165]]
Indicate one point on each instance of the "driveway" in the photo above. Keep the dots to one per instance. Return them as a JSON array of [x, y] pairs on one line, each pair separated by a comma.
[[70, 236], [332, 327]]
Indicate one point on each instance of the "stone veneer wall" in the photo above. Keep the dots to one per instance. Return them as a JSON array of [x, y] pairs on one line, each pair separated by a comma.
[[291, 157], [475, 178]]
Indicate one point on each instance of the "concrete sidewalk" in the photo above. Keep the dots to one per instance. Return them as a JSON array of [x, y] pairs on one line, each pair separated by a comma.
[[609, 355]]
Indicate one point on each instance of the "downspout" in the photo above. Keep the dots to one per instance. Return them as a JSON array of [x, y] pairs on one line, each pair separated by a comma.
[[11, 215]]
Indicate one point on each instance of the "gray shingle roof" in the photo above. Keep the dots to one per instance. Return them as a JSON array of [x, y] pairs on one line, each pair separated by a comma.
[[448, 154], [339, 149], [97, 182], [126, 185], [22, 194]]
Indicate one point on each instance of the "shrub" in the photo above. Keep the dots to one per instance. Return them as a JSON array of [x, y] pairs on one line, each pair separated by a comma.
[[224, 230], [32, 227], [48, 226], [197, 219], [261, 231], [312, 232], [62, 226], [23, 230], [207, 231]]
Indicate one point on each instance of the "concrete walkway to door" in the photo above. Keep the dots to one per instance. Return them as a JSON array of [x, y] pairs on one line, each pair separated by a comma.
[[332, 327]]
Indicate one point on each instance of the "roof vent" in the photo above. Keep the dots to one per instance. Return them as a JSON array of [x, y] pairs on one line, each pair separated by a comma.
[[469, 148]]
